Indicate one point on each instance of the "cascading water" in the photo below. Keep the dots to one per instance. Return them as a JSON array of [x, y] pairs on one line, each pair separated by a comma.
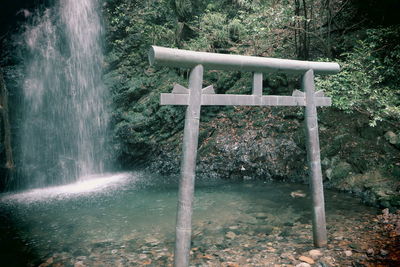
[[64, 115]]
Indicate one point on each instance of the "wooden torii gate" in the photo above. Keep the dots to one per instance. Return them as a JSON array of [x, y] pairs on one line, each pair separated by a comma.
[[195, 96]]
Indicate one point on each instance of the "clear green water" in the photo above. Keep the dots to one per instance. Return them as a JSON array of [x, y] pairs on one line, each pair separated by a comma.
[[135, 207]]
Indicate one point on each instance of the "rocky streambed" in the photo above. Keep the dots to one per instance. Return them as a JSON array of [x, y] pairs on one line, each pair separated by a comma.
[[363, 241], [235, 224]]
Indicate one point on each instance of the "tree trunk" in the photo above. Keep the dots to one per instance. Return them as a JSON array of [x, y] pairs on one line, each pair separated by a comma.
[[305, 52], [6, 124]]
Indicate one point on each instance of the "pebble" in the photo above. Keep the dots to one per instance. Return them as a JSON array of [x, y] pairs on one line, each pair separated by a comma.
[[303, 264], [296, 194], [348, 253], [146, 262], [79, 264], [370, 251], [207, 257], [339, 237], [230, 235], [315, 254], [261, 215], [152, 241], [287, 255], [48, 262], [384, 252], [330, 261], [306, 259]]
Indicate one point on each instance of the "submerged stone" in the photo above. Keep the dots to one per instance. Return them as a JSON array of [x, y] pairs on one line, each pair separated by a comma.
[[315, 253], [261, 215], [306, 259], [230, 235], [303, 264]]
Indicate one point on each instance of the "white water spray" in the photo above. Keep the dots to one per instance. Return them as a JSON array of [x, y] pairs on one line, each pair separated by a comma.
[[65, 116]]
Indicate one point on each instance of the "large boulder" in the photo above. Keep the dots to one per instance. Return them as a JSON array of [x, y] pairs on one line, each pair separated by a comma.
[[341, 170], [249, 144], [252, 155]]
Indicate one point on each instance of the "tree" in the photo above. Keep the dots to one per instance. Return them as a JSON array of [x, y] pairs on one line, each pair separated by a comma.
[[6, 124]]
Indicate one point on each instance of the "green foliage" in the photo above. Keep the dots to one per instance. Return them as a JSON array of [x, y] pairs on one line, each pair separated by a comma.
[[140, 123], [370, 76], [367, 82], [213, 33], [246, 27]]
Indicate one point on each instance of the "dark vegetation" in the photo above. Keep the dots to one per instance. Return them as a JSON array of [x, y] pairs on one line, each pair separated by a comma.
[[360, 134]]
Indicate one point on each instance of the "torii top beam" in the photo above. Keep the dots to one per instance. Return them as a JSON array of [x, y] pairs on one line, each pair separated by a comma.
[[180, 58]]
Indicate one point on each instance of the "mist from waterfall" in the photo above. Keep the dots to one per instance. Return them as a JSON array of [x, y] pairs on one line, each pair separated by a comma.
[[64, 116]]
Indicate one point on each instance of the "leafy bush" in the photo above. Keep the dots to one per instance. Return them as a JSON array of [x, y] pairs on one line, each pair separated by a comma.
[[369, 79]]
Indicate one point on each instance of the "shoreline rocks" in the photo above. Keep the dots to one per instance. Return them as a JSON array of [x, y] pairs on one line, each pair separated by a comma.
[[366, 242]]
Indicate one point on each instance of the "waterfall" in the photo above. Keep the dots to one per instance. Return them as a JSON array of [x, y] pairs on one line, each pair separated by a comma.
[[64, 116]]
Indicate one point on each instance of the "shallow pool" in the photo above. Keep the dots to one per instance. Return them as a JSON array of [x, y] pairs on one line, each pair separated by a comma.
[[119, 208]]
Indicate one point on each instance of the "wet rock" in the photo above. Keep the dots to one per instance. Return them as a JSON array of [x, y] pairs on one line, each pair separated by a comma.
[[321, 264], [370, 251], [147, 262], [315, 254], [348, 253], [263, 229], [240, 155], [329, 260], [325, 162], [230, 235], [142, 256], [151, 241], [79, 264], [81, 258], [287, 255], [384, 252], [48, 262], [296, 194], [206, 256], [354, 246], [306, 259], [261, 215], [328, 173], [339, 237]]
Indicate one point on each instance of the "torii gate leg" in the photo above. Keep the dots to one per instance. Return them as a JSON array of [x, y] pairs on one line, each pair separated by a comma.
[[314, 161], [188, 166]]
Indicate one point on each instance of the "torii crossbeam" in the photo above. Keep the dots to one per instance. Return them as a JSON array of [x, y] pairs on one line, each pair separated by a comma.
[[195, 97]]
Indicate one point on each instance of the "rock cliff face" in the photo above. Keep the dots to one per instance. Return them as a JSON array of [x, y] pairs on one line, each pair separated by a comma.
[[269, 144], [249, 143]]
